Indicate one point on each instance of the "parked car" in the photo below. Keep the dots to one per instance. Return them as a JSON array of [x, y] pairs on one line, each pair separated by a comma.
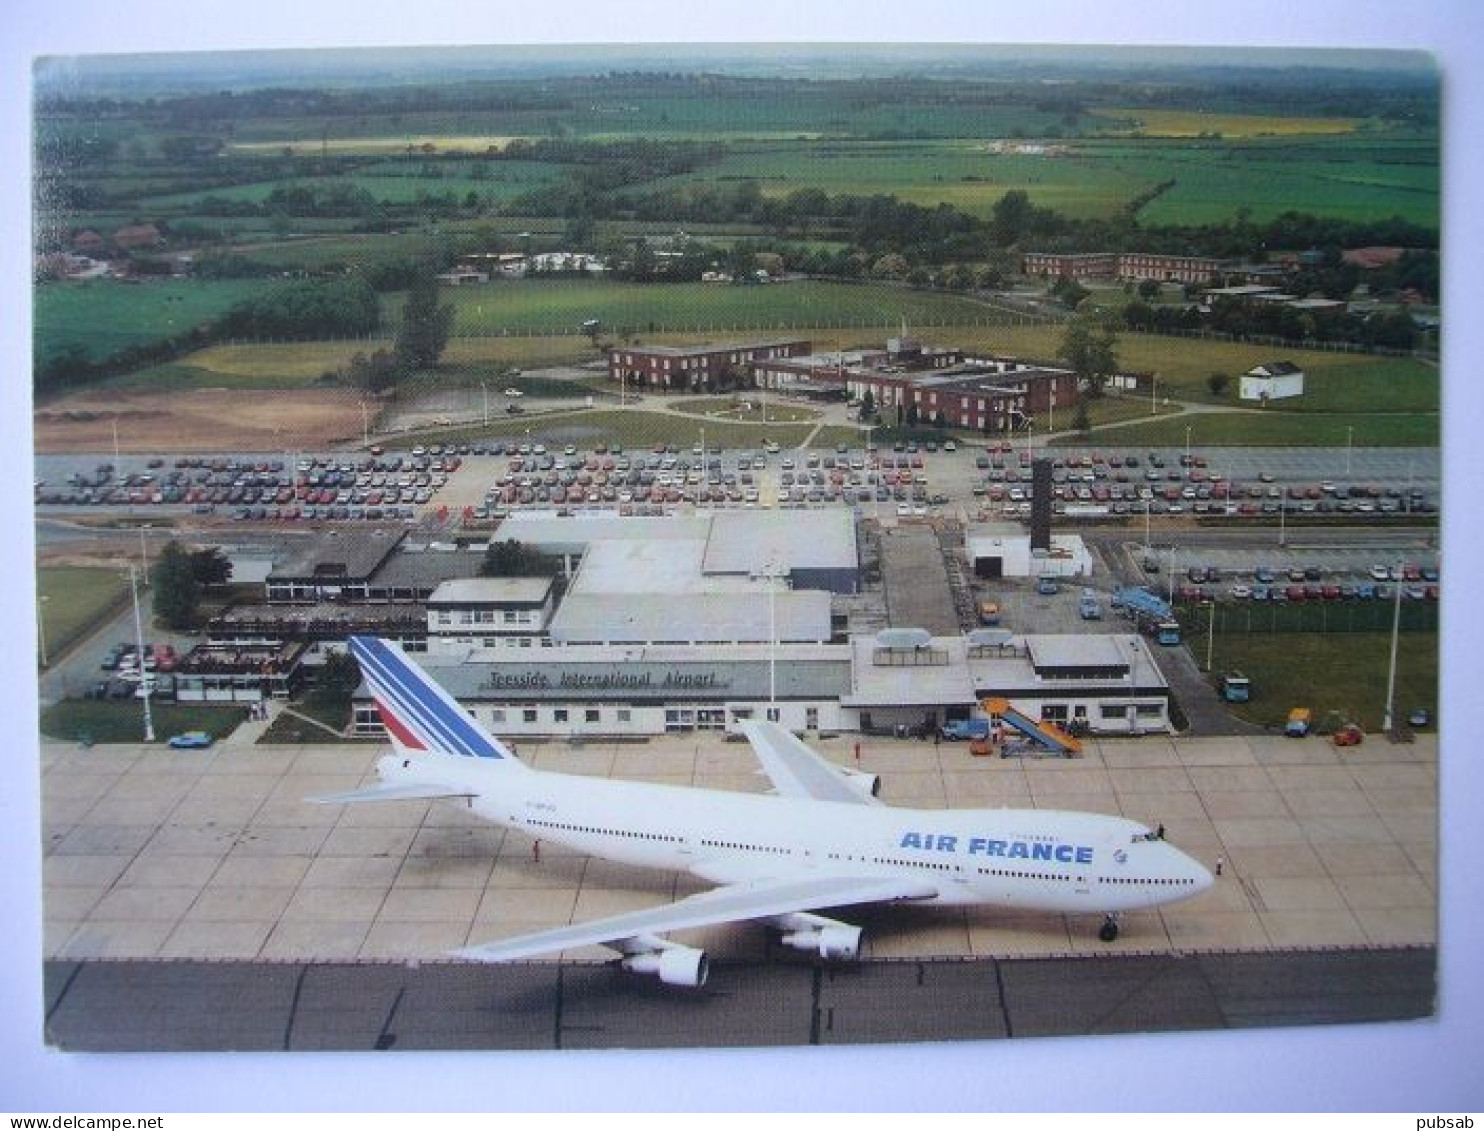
[[190, 740]]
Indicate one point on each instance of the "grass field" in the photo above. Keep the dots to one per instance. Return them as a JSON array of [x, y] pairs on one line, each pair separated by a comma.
[[632, 428], [730, 408], [507, 179], [562, 305], [1278, 429], [1333, 381], [102, 316], [73, 600], [1343, 672], [964, 173], [123, 721], [1313, 165], [373, 145]]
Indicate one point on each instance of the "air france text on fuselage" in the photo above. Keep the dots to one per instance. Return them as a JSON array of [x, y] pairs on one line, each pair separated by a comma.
[[987, 846]]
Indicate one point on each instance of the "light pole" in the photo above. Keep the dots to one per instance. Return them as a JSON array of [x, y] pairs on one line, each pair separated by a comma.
[[144, 677], [1282, 518], [1187, 445], [365, 425], [1153, 394], [1211, 636], [143, 554], [484, 385], [1396, 622], [1349, 443]]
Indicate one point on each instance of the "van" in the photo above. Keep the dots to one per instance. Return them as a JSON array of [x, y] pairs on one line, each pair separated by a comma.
[[1046, 585], [1088, 605]]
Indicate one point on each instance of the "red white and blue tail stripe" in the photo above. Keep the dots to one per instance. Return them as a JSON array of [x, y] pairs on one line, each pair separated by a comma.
[[418, 714]]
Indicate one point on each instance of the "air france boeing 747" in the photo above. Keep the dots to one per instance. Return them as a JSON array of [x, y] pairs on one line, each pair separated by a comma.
[[823, 841]]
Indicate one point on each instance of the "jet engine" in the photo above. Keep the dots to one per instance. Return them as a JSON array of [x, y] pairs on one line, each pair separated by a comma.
[[829, 938], [675, 965], [867, 785]]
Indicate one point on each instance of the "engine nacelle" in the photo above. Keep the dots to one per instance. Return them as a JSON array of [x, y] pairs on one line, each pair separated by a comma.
[[867, 785], [838, 942], [675, 965]]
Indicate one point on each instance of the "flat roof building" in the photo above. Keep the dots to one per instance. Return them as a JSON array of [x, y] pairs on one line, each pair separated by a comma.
[[697, 368], [1105, 684]]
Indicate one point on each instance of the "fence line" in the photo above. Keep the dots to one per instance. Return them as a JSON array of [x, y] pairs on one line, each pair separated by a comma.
[[1006, 319]]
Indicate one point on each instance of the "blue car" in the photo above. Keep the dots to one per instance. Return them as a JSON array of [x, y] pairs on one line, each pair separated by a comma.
[[190, 740]]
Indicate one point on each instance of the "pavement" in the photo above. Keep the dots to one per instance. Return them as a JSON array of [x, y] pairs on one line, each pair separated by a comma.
[[152, 854], [207, 1006]]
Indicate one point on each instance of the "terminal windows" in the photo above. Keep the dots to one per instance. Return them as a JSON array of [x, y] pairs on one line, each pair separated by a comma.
[[592, 715]]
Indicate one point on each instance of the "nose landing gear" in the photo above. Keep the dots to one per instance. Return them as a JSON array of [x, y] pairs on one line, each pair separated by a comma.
[[1109, 930]]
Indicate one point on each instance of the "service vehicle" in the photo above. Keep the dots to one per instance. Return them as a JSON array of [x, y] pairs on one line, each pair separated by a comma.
[[1236, 687]]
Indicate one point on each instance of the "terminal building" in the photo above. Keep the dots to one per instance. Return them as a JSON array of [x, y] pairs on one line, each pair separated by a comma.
[[895, 681]]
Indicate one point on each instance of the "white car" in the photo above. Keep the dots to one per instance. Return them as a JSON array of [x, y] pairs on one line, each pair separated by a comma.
[[514, 393]]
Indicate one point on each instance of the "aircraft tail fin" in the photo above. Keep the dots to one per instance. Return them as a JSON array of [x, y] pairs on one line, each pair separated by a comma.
[[419, 715]]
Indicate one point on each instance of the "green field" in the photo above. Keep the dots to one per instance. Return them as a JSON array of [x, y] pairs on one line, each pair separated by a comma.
[[632, 428], [384, 182], [546, 306], [1334, 380], [1344, 672], [1357, 176], [102, 316], [1269, 428], [965, 173], [78, 720], [73, 600]]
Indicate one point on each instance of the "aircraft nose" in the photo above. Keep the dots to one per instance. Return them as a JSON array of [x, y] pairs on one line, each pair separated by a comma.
[[1199, 874]]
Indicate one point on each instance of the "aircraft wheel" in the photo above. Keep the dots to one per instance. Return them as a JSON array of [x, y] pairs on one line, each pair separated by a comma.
[[1109, 931]]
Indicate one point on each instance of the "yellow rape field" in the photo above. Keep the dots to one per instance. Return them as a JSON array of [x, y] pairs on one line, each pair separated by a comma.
[[1193, 123]]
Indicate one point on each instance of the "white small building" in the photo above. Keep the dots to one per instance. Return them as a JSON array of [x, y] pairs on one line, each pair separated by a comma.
[[1004, 550], [489, 612], [1272, 381]]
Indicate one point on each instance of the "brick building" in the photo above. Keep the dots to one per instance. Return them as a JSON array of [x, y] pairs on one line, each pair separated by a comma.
[[696, 368], [1122, 265], [980, 395]]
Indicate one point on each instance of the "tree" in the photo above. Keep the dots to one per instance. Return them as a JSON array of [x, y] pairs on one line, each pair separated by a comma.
[[1217, 383], [1089, 348], [425, 325], [175, 587], [1149, 289], [374, 374], [339, 676], [1011, 217], [211, 567], [868, 405], [1081, 422], [515, 559]]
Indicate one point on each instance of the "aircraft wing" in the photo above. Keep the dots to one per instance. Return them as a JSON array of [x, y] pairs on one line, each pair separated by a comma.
[[735, 903], [798, 771], [389, 793]]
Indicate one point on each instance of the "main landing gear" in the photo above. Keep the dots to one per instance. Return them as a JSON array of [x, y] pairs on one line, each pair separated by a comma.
[[1109, 931]]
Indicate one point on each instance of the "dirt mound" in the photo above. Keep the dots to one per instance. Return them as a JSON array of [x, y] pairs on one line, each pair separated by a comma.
[[199, 420]]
